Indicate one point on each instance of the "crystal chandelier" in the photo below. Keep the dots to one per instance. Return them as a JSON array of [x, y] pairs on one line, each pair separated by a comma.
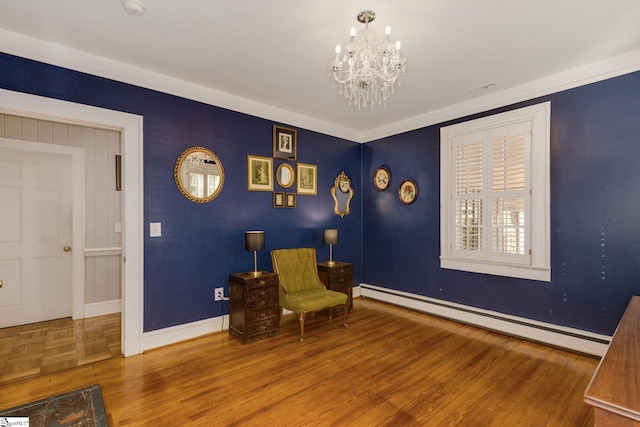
[[369, 68]]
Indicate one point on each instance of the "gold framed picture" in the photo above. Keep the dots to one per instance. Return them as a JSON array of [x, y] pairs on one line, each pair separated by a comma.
[[408, 191], [290, 200], [285, 144], [382, 178], [278, 199], [259, 173], [307, 182]]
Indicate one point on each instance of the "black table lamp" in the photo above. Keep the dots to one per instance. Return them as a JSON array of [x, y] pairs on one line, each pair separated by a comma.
[[254, 242], [330, 238]]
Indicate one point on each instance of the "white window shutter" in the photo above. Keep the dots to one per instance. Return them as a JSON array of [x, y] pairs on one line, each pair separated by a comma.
[[495, 194]]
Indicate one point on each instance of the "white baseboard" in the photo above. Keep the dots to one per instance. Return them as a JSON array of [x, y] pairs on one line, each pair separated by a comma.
[[546, 333], [175, 334], [102, 308], [558, 336]]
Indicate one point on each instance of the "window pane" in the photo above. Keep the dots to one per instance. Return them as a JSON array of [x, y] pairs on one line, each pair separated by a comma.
[[469, 225], [196, 184], [468, 167], [212, 183], [508, 226], [508, 156]]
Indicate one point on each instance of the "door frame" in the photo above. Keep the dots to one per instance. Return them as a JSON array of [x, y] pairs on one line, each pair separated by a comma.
[[131, 129], [77, 211]]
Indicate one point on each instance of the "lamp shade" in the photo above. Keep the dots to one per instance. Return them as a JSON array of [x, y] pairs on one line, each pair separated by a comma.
[[330, 236], [254, 241]]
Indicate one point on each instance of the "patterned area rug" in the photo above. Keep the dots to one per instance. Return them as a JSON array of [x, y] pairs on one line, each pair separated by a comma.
[[79, 408]]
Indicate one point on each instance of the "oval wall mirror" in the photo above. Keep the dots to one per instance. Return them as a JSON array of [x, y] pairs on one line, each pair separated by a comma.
[[342, 193], [285, 175], [199, 174]]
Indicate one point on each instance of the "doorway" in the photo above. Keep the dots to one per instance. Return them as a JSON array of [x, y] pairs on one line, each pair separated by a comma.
[[132, 259]]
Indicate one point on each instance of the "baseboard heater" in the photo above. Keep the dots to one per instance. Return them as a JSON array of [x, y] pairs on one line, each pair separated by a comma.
[[558, 336]]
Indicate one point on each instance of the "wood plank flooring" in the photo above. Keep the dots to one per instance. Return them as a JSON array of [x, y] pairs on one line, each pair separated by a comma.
[[45, 347], [392, 367]]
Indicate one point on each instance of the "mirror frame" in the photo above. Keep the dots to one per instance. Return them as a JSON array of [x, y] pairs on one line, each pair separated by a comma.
[[183, 189], [292, 175], [342, 183]]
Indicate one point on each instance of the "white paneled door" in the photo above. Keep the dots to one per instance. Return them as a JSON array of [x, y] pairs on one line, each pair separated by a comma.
[[35, 237]]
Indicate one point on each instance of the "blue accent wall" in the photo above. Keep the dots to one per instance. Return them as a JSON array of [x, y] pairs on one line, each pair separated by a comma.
[[202, 243], [595, 203], [595, 207]]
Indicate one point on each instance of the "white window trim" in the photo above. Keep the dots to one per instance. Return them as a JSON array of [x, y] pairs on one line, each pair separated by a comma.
[[540, 267]]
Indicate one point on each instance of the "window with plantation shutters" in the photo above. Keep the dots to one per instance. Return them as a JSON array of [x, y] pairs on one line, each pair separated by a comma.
[[494, 194]]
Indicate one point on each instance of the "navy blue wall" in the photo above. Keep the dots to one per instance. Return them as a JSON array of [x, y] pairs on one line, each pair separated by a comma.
[[202, 243], [595, 206], [595, 183]]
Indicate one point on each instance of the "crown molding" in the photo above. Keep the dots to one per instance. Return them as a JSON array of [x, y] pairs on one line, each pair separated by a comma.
[[54, 54], [62, 56], [598, 71]]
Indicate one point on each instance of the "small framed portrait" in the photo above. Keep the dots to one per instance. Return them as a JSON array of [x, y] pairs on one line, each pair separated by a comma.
[[381, 178], [278, 199], [285, 144], [285, 175], [307, 179], [408, 191], [290, 200], [259, 173]]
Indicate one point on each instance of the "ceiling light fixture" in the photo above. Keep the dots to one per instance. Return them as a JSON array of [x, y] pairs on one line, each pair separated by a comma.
[[369, 68], [133, 7]]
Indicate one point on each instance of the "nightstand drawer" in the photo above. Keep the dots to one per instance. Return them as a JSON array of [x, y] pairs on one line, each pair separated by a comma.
[[261, 294], [264, 326], [341, 273], [260, 283], [258, 314]]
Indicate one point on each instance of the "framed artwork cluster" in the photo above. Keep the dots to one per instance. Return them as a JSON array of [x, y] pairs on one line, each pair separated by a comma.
[[407, 191], [288, 174]]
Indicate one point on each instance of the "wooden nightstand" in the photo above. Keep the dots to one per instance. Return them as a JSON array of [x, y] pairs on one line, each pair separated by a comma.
[[254, 312], [337, 277]]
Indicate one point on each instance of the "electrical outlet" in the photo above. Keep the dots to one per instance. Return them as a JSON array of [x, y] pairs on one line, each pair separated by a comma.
[[218, 294]]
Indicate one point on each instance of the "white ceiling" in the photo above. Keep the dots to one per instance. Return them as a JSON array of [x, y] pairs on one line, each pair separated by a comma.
[[270, 58]]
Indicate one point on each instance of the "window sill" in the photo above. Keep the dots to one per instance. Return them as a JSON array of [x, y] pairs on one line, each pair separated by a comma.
[[542, 274]]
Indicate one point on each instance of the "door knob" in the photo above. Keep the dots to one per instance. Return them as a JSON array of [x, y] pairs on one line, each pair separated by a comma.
[[0, 283], [67, 248]]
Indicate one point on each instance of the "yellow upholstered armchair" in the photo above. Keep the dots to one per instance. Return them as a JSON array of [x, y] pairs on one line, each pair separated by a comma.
[[301, 290]]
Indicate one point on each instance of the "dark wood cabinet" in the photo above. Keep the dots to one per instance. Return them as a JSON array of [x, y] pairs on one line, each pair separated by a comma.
[[337, 277], [254, 312]]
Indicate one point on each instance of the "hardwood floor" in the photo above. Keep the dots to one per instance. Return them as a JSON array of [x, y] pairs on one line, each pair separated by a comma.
[[392, 367], [45, 347]]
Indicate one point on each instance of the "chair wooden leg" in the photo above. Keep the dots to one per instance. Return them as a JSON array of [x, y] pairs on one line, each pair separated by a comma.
[[301, 320], [344, 319]]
